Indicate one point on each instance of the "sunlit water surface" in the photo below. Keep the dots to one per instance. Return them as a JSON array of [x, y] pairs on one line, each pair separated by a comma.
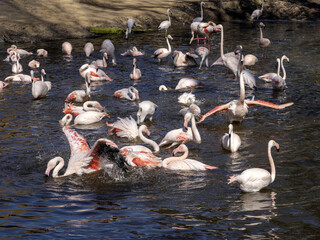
[[159, 203]]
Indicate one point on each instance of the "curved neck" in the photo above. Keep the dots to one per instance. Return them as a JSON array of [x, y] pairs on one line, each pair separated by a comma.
[[195, 131], [58, 168], [131, 94], [273, 168], [242, 88], [169, 46], [89, 106], [283, 70], [167, 161], [149, 141]]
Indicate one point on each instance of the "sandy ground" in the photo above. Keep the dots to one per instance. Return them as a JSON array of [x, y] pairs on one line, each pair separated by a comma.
[[25, 20]]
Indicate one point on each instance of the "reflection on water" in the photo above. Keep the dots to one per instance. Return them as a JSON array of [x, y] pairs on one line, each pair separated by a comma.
[[158, 203]]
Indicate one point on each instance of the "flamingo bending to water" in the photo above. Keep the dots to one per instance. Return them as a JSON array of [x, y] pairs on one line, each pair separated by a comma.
[[184, 60], [236, 110], [108, 47], [130, 94], [146, 109], [21, 52], [254, 179], [88, 49], [84, 118], [42, 52], [95, 74], [187, 83], [67, 48], [182, 163], [203, 52], [87, 106], [132, 52]]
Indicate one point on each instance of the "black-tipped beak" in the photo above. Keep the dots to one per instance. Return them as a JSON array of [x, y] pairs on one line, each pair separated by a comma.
[[278, 149]]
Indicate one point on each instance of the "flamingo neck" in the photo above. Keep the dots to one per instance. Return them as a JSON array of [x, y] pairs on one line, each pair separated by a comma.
[[167, 161], [283, 70], [262, 6], [149, 141], [201, 6], [261, 35], [169, 46], [168, 13], [58, 167], [221, 44], [195, 131], [87, 107], [278, 71], [273, 168], [242, 89]]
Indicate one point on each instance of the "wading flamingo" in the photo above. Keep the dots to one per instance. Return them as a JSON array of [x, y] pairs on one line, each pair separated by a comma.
[[263, 42], [102, 62], [163, 52], [84, 118], [136, 73], [257, 13], [95, 74], [199, 19], [184, 60], [203, 52], [108, 47], [87, 106], [41, 88], [254, 179], [231, 141], [166, 24], [146, 109], [248, 77], [67, 48], [88, 49], [130, 25]]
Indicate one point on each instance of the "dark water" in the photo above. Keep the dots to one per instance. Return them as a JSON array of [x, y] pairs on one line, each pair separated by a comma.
[[159, 203]]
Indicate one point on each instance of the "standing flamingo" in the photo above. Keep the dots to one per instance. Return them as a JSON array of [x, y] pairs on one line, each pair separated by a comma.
[[279, 83], [182, 163], [136, 73], [83, 159], [130, 25], [236, 110], [248, 77], [269, 76], [131, 94], [166, 24], [146, 109], [203, 52], [108, 47], [254, 179], [206, 29], [263, 42], [231, 141], [88, 49], [257, 13], [16, 66], [67, 48], [199, 19], [163, 52]]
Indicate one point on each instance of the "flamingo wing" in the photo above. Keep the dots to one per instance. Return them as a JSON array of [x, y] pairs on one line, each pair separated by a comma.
[[214, 110], [268, 104], [76, 141]]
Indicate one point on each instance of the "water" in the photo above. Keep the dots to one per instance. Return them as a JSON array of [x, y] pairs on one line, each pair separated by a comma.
[[159, 203]]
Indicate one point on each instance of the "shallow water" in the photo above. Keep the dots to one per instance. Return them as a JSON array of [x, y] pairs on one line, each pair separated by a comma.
[[159, 203]]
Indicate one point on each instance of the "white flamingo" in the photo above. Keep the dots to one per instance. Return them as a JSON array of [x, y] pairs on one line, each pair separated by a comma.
[[88, 49], [34, 64], [263, 42], [136, 73], [80, 95], [87, 106], [102, 62], [41, 88], [188, 83], [254, 179], [231, 141], [124, 127], [187, 98], [132, 52], [67, 48], [236, 110], [182, 163], [84, 118], [199, 19], [16, 66], [163, 52], [42, 52], [166, 24], [21, 52], [146, 109], [250, 60], [130, 25], [108, 47], [19, 78], [131, 94]]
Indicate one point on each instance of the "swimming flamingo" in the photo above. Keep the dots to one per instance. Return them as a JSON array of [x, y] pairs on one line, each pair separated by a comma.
[[203, 52], [88, 49], [42, 52], [21, 52], [130, 94], [146, 109], [257, 13], [231, 141], [87, 106], [34, 64], [254, 179], [108, 47], [80, 95], [248, 77], [67, 48], [279, 83], [263, 42], [84, 118], [130, 25], [182, 163], [268, 76], [236, 110], [184, 60], [166, 24], [95, 74], [199, 19], [163, 52], [83, 159], [41, 88], [124, 127], [187, 83], [136, 73], [19, 78]]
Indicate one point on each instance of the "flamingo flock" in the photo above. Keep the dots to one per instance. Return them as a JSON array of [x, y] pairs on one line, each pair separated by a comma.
[[105, 153]]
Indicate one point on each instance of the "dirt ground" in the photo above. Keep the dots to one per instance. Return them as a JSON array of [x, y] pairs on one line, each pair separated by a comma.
[[27, 21]]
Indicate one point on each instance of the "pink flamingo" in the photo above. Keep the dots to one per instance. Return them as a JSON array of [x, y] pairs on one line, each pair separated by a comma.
[[165, 24], [95, 74], [80, 95], [67, 48], [263, 42], [87, 106], [188, 83], [131, 94], [88, 49], [163, 52], [136, 73], [42, 52]]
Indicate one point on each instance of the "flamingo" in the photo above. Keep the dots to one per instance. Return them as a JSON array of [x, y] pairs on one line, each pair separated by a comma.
[[269, 76], [263, 42], [248, 77], [229, 60], [83, 159], [199, 19], [108, 47], [166, 24], [194, 29], [41, 88], [257, 13], [254, 179], [136, 73], [203, 52], [250, 60], [187, 98], [178, 136], [130, 94], [132, 52], [184, 60], [182, 163], [146, 109], [95, 74], [34, 64], [16, 66], [88, 49], [187, 83], [21, 52], [206, 29], [19, 78], [163, 52], [2, 85], [124, 127], [236, 110], [279, 83], [84, 118], [231, 141], [80, 95], [130, 25], [67, 48], [42, 52], [87, 106], [102, 62]]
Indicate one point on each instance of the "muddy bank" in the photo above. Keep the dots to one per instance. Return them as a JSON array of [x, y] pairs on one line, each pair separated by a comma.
[[25, 21]]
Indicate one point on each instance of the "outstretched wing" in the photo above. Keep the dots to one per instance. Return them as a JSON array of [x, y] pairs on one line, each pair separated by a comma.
[[104, 152], [268, 104], [76, 141], [214, 110]]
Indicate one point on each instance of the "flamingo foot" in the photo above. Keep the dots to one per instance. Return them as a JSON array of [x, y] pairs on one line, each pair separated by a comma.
[[232, 179]]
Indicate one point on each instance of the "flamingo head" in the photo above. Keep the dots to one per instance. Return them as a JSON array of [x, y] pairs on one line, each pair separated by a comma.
[[145, 129], [261, 25], [181, 148], [70, 97]]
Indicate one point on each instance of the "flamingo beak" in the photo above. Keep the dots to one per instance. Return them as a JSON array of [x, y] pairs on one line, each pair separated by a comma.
[[148, 132]]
